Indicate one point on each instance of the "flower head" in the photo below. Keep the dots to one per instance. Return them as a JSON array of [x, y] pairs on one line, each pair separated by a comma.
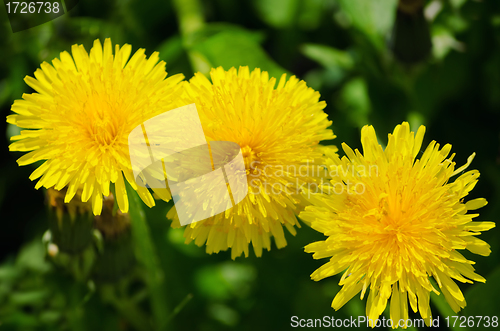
[[401, 221], [79, 119], [278, 129]]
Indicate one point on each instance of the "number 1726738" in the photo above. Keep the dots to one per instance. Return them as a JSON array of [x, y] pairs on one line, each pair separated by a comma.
[[15, 7]]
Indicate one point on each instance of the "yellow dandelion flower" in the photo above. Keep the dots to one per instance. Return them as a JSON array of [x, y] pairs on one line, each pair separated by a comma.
[[278, 130], [79, 119], [398, 221]]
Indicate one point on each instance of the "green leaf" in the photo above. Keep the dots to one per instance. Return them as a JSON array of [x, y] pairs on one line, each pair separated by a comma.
[[147, 256], [5, 91], [171, 49], [32, 257], [444, 309], [416, 119], [224, 314], [328, 56], [355, 102], [481, 297], [212, 29], [33, 297], [19, 320], [457, 3], [443, 42], [310, 14], [9, 273], [176, 238], [373, 18], [234, 48], [226, 280], [278, 13]]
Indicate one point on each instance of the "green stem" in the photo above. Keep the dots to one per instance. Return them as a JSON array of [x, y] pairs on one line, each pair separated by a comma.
[[189, 13], [180, 306], [146, 255], [126, 308], [190, 17]]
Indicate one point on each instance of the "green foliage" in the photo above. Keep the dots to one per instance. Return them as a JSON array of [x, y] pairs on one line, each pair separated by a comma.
[[348, 50], [146, 254], [231, 47], [372, 18]]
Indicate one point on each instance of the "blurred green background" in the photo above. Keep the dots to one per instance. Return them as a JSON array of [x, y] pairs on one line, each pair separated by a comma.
[[372, 63]]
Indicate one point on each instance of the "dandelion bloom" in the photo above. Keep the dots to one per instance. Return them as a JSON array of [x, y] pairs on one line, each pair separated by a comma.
[[79, 119], [278, 129], [397, 222]]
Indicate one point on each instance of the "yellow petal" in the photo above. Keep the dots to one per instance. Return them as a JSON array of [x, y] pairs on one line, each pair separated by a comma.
[[121, 194]]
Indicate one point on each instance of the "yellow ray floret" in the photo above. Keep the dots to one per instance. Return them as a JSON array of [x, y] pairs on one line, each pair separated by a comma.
[[397, 222], [278, 126], [79, 119]]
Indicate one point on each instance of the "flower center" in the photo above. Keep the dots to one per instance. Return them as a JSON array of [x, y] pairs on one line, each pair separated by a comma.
[[250, 158], [101, 127]]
